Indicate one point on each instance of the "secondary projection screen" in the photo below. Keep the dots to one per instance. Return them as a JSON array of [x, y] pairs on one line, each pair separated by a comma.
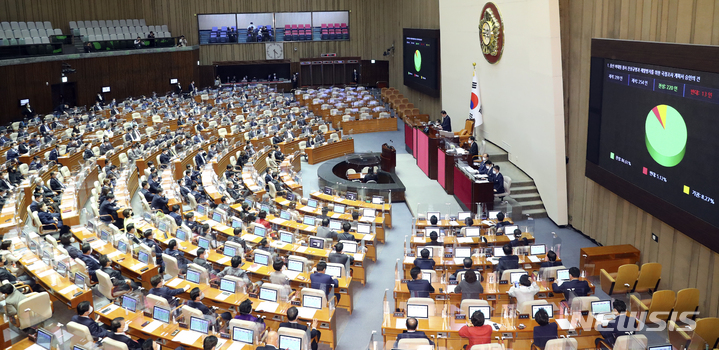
[[421, 60], [652, 135]]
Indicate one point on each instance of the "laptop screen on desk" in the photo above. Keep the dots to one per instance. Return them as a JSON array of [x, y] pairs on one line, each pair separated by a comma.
[[537, 249], [309, 220], [498, 251], [462, 252], [483, 309], [334, 271], [129, 303], [203, 243], [417, 311], [268, 294], [364, 228], [312, 301], [601, 307], [193, 276], [335, 225], [44, 338], [294, 265], [514, 276], [463, 215], [199, 325], [227, 285], [471, 231], [243, 335], [160, 314], [547, 307], [563, 274], [290, 343]]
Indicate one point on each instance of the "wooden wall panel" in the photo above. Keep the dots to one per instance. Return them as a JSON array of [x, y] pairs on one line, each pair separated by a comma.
[[594, 210], [131, 75], [374, 26]]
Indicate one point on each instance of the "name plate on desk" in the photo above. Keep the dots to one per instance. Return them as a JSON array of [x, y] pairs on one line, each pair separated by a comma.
[[252, 295], [503, 282], [404, 281], [523, 316], [183, 325], [585, 312], [399, 314], [410, 255], [448, 256], [419, 235], [296, 303], [441, 297], [550, 279], [225, 335], [453, 282], [460, 317]]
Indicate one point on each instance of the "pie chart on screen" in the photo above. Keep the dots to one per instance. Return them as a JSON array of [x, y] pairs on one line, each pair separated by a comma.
[[417, 60], [666, 135]]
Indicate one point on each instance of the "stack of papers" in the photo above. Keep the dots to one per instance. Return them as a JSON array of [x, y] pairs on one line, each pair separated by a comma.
[[533, 258], [465, 239], [174, 283], [563, 323], [267, 306], [290, 274], [69, 289], [152, 327], [306, 313], [224, 260], [184, 337], [138, 266]]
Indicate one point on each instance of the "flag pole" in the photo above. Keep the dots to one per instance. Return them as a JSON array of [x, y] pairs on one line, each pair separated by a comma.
[[478, 131]]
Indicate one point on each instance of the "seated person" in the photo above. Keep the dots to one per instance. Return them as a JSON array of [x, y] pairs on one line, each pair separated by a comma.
[[419, 287], [84, 310], [411, 332], [149, 240], [201, 260], [425, 262], [467, 266], [525, 292], [236, 270], [195, 302], [159, 289], [470, 286], [173, 251], [545, 331], [622, 324], [518, 241], [91, 263], [245, 314], [120, 284], [12, 298], [51, 219], [478, 333], [580, 288], [345, 235], [322, 281], [338, 257], [314, 334], [118, 327], [279, 278], [550, 260], [371, 176], [501, 223], [433, 236], [509, 261]]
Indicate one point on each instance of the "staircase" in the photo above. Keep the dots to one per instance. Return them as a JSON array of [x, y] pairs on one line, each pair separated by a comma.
[[523, 192]]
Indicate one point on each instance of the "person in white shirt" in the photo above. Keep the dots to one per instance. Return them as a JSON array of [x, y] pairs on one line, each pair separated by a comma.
[[525, 292]]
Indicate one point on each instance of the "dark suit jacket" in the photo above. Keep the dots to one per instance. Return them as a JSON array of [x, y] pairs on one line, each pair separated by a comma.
[[425, 264], [420, 288], [146, 193], [107, 208], [47, 218], [34, 206], [11, 154], [551, 264], [474, 150], [87, 154], [200, 306], [447, 124], [91, 263], [507, 263], [199, 160], [94, 328], [177, 217], [498, 183], [320, 280], [266, 347], [164, 159], [617, 327], [166, 292], [412, 335], [160, 202], [56, 185], [340, 258], [131, 344], [580, 288], [545, 333], [154, 187]]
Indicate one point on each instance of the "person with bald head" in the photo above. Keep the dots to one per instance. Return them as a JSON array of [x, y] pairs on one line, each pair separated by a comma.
[[271, 341], [411, 332]]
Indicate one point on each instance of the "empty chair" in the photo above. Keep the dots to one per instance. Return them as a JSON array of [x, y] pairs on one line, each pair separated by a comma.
[[80, 24], [106, 37], [16, 33], [649, 277], [659, 307], [56, 31], [34, 309], [34, 33], [111, 344], [36, 40], [47, 24], [14, 25], [42, 32], [115, 23], [123, 23], [620, 282], [6, 26], [113, 36], [24, 33], [80, 331], [95, 24], [135, 22], [558, 344], [142, 22], [45, 40], [687, 304], [104, 31], [22, 25]]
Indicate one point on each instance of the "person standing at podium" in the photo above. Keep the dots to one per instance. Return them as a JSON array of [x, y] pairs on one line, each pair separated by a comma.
[[446, 122], [473, 149]]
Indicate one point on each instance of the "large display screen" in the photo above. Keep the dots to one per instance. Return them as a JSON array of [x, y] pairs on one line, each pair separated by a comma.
[[656, 128], [421, 60]]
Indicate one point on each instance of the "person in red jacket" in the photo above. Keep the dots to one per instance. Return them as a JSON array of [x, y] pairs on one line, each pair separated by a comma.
[[479, 333]]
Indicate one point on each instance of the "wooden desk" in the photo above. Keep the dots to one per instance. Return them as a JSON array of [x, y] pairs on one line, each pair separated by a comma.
[[329, 151], [608, 258], [383, 209], [369, 125]]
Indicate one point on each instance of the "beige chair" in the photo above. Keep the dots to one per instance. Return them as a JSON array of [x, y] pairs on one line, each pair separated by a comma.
[[334, 137], [550, 272], [186, 312], [560, 344], [246, 325], [292, 332], [413, 343], [583, 303], [105, 286], [80, 331], [687, 305], [659, 307], [620, 282], [172, 268], [34, 309], [273, 190], [423, 301], [649, 277], [271, 163], [153, 300], [110, 344], [507, 273], [466, 303], [526, 308], [314, 292], [433, 275], [204, 275], [629, 342]]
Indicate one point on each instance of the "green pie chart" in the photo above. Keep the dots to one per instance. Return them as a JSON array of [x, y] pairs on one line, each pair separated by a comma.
[[666, 135], [417, 60]]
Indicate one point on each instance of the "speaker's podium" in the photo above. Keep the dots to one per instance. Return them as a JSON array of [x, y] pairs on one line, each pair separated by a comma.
[[388, 159]]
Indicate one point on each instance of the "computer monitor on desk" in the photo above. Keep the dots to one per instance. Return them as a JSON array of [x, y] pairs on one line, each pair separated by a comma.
[[261, 259], [601, 307], [377, 200], [259, 231], [199, 325], [308, 220], [563, 274], [492, 215], [44, 339], [143, 257], [368, 213], [203, 242], [312, 301], [287, 237], [267, 294], [462, 252], [193, 276], [312, 203], [537, 249], [418, 310], [514, 276], [498, 252], [181, 234], [80, 280], [364, 228], [160, 314], [339, 209], [335, 225], [290, 343], [218, 216], [351, 196], [483, 309], [334, 271], [547, 307], [285, 215], [463, 215], [436, 214], [295, 265], [317, 242], [419, 251], [202, 210], [472, 231], [236, 222], [129, 303], [228, 285], [243, 335]]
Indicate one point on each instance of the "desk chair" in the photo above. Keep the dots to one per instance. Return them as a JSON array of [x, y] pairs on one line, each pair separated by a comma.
[[627, 342], [687, 302], [186, 312], [465, 133], [314, 292], [620, 282], [153, 300], [649, 277], [433, 275], [526, 307], [204, 274], [305, 262], [296, 333], [661, 303], [105, 286], [80, 331], [273, 190], [559, 344], [466, 303], [550, 272], [110, 344], [81, 267], [246, 324], [412, 343], [708, 329], [192, 202], [583, 303], [44, 229], [33, 310], [172, 268], [507, 273], [507, 187], [424, 301]]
